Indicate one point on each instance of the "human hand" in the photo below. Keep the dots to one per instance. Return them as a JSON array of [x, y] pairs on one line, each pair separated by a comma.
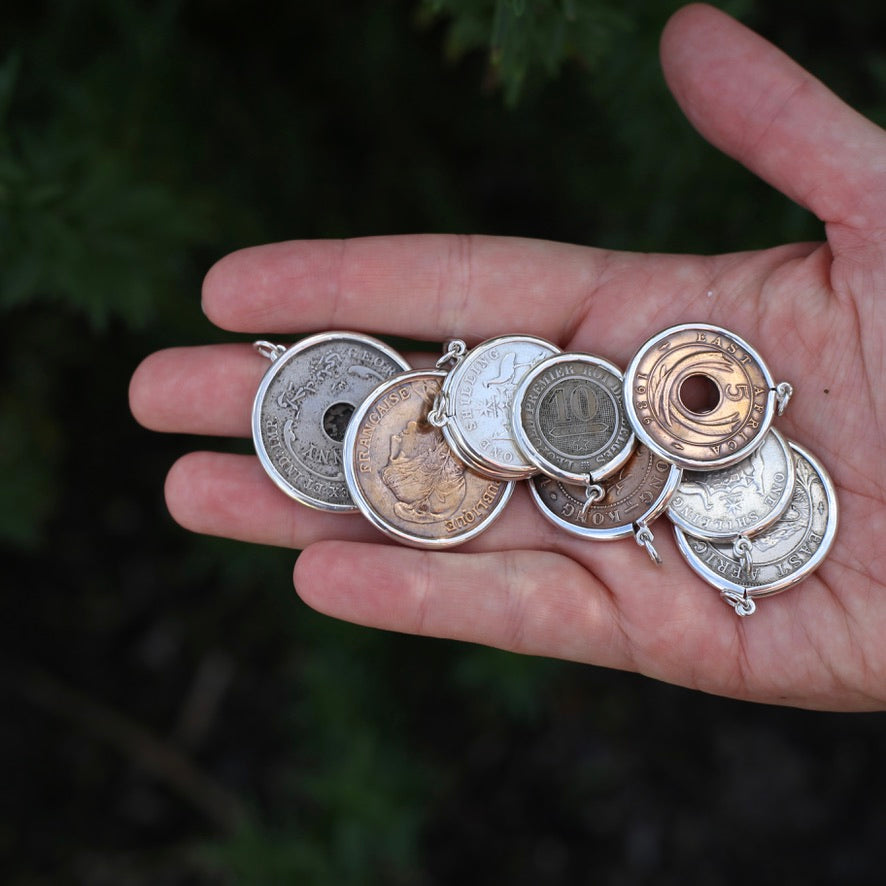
[[812, 310]]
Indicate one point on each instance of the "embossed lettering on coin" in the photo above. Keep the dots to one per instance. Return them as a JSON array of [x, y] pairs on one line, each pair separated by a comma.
[[480, 395], [403, 475], [705, 438], [787, 551], [303, 406], [637, 493], [742, 499], [569, 418]]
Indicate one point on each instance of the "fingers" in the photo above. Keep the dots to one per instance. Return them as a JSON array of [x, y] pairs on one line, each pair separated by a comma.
[[200, 390], [205, 390], [534, 602], [426, 287], [231, 496], [527, 601], [757, 105], [671, 627]]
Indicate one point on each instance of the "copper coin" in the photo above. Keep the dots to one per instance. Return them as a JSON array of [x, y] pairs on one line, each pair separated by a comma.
[[708, 436], [403, 475], [637, 494]]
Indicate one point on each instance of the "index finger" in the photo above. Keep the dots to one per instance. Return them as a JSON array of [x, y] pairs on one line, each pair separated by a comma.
[[421, 286]]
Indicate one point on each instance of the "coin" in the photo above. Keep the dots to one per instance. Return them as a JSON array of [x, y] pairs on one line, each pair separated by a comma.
[[569, 418], [302, 408], [742, 499], [636, 495], [478, 396], [403, 475], [782, 555], [713, 435]]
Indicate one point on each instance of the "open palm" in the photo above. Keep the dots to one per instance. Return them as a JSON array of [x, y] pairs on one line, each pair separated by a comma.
[[812, 310]]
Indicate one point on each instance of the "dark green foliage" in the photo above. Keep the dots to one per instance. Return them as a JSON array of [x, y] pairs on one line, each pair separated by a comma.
[[138, 143], [529, 41]]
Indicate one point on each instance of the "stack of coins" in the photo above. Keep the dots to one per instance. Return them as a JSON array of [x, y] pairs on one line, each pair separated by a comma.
[[431, 457]]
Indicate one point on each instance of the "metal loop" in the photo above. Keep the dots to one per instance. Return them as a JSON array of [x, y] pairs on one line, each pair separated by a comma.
[[594, 492], [741, 603], [455, 350], [783, 393], [437, 416], [741, 550], [643, 536], [269, 350]]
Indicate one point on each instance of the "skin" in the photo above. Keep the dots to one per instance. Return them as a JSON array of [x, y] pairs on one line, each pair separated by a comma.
[[812, 310]]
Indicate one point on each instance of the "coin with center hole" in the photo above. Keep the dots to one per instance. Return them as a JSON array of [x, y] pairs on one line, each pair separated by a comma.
[[303, 406], [700, 396]]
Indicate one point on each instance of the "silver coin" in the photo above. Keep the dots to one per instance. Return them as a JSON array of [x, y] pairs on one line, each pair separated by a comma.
[[303, 406], [478, 397], [569, 418], [743, 499], [634, 496], [785, 553]]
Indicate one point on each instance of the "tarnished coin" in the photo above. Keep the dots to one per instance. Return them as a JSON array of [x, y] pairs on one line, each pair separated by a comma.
[[711, 436], [477, 404], [303, 405], [569, 418], [785, 553], [634, 496], [742, 499], [403, 475]]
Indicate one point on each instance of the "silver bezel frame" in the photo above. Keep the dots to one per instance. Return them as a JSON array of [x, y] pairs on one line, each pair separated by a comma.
[[724, 584], [547, 467], [755, 528], [674, 456], [655, 510], [272, 372], [457, 437], [365, 506]]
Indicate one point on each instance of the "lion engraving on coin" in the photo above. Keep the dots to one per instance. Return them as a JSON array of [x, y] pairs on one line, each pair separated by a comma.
[[422, 474]]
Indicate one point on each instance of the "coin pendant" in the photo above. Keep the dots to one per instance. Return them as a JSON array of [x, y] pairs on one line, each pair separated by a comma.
[[569, 418], [479, 394], [403, 475], [717, 434], [303, 405], [743, 499], [782, 555], [636, 495]]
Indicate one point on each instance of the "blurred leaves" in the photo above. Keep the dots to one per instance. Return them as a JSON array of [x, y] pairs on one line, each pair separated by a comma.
[[31, 438], [139, 141], [87, 223], [529, 41], [97, 230]]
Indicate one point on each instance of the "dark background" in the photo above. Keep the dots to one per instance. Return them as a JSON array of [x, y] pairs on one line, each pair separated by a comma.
[[171, 712]]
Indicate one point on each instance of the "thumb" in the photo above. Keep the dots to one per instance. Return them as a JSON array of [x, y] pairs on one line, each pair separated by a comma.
[[757, 105]]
